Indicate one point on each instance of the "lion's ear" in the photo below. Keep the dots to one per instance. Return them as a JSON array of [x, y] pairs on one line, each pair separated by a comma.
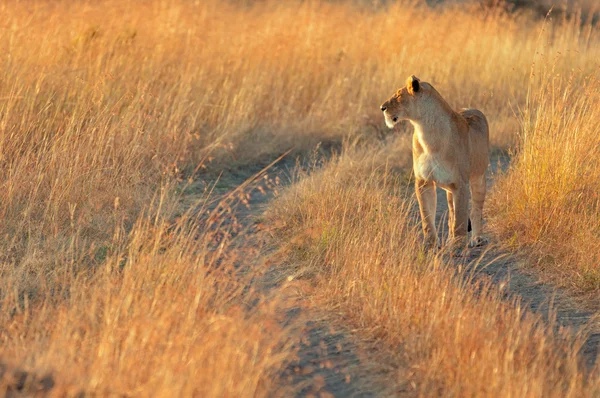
[[413, 84]]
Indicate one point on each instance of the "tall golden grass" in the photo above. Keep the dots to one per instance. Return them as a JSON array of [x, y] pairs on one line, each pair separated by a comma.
[[104, 108], [547, 205], [171, 314], [114, 98], [349, 227], [108, 107]]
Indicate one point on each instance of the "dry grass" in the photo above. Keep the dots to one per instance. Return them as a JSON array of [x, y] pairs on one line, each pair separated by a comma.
[[114, 100], [548, 205], [106, 106], [349, 227], [170, 315]]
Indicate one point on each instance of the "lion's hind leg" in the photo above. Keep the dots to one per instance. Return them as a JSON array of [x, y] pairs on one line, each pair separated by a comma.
[[478, 191]]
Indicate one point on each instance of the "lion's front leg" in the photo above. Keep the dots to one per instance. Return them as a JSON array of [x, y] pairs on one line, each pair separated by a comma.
[[427, 206], [450, 216]]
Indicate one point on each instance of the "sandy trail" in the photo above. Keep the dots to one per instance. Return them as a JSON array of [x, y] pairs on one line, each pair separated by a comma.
[[326, 363]]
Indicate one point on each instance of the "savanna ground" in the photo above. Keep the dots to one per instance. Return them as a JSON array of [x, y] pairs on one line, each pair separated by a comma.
[[149, 249]]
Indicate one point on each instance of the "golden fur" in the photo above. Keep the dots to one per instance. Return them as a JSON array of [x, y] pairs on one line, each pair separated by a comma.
[[450, 150]]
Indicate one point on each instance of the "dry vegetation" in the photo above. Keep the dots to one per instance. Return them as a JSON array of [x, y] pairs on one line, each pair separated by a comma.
[[548, 203], [170, 315], [104, 109], [107, 107], [349, 226]]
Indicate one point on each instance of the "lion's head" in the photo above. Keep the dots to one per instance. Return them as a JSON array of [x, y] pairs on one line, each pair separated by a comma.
[[404, 104]]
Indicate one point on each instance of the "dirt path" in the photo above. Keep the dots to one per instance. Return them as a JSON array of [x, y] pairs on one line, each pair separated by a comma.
[[503, 267], [326, 364]]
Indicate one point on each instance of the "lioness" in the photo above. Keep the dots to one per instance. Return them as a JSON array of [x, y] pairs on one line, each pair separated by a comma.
[[450, 150]]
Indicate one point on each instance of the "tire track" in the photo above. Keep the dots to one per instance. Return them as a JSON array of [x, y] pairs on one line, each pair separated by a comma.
[[326, 362]]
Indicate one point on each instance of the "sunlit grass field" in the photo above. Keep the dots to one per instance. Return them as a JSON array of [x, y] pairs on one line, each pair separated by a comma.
[[547, 205], [109, 108], [351, 227]]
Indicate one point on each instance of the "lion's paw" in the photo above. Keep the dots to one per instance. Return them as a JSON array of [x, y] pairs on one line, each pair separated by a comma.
[[478, 241], [431, 245]]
